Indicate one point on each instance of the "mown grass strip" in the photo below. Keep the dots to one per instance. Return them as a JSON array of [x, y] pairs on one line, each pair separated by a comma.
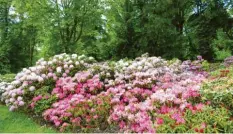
[[16, 122]]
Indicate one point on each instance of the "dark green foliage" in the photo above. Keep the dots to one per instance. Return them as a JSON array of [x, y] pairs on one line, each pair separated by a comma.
[[110, 29], [209, 17]]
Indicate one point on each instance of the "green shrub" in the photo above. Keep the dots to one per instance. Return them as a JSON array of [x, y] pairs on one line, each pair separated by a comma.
[[209, 120], [205, 65], [219, 89], [222, 45], [43, 104]]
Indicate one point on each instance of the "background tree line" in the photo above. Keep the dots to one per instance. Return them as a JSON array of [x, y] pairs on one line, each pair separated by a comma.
[[113, 29]]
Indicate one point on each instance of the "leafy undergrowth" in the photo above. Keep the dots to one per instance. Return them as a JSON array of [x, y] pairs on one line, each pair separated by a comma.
[[7, 77], [12, 122], [219, 88]]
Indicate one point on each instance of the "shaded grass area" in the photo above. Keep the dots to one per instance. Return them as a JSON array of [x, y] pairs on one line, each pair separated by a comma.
[[12, 122]]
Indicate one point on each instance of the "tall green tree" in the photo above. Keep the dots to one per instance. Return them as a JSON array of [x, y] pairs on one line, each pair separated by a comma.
[[4, 35], [209, 16]]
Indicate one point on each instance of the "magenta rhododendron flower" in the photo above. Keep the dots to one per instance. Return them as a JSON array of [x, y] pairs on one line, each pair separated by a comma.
[[159, 121]]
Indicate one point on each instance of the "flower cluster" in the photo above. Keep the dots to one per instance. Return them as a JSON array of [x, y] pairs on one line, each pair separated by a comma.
[[3, 86], [228, 61], [76, 96]]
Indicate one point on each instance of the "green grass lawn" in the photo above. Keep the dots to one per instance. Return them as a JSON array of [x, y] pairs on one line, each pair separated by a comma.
[[12, 122]]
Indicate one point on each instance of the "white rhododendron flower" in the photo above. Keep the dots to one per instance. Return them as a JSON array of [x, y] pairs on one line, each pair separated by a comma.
[[59, 69], [32, 88]]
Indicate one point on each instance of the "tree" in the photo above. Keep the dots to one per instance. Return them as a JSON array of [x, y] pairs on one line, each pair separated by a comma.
[[4, 35], [208, 18]]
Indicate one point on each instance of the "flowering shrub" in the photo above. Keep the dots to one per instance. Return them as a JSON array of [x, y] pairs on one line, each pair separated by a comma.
[[228, 61], [40, 103], [31, 79], [140, 92], [81, 104], [92, 113], [148, 94], [219, 89], [4, 82], [204, 120], [198, 66], [3, 86], [193, 66]]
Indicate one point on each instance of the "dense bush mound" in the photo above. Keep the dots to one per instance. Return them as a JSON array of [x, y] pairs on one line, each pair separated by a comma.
[[228, 61], [219, 89], [148, 94]]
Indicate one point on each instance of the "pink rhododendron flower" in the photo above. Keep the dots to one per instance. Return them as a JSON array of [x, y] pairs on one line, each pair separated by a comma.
[[199, 106], [178, 118], [122, 124]]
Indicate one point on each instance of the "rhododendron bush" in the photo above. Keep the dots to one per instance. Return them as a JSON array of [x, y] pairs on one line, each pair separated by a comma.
[[221, 85], [148, 94]]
